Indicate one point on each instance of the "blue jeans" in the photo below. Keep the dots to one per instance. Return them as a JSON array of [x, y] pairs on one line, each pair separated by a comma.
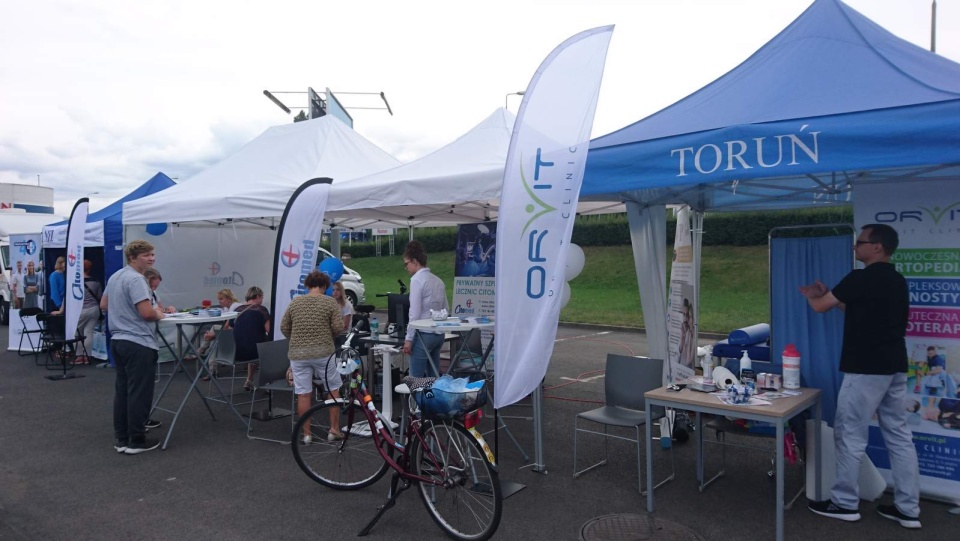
[[424, 342], [133, 390]]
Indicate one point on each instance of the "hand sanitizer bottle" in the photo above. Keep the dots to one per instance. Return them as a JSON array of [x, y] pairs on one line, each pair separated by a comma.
[[746, 369]]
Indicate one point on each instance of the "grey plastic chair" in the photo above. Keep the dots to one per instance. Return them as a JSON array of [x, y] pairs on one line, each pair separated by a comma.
[[272, 378], [625, 382], [225, 355]]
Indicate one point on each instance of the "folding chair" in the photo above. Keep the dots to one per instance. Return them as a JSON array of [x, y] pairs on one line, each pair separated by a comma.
[[272, 378], [29, 330], [225, 354], [58, 345], [625, 382]]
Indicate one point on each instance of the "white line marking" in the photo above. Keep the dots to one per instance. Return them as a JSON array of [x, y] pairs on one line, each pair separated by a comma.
[[582, 336]]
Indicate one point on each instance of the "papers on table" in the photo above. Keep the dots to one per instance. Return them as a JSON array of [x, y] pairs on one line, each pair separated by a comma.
[[753, 401]]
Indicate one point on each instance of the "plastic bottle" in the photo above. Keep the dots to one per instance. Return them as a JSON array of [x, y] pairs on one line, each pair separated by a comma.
[[374, 328], [791, 367], [707, 364], [746, 369]]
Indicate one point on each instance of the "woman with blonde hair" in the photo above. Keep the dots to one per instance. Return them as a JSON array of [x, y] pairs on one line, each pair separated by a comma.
[[346, 308], [58, 284]]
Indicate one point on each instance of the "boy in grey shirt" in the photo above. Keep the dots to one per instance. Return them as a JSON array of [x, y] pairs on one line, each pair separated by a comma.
[[134, 347]]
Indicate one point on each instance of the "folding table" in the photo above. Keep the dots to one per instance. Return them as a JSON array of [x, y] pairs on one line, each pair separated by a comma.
[[777, 412], [187, 320]]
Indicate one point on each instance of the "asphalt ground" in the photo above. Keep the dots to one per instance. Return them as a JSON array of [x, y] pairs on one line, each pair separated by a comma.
[[60, 477]]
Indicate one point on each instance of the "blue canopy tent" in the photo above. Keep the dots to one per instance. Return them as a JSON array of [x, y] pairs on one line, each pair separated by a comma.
[[832, 101], [103, 235], [104, 229]]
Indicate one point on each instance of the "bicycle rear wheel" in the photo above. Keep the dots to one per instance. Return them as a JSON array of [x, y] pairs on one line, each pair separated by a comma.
[[468, 502], [347, 464]]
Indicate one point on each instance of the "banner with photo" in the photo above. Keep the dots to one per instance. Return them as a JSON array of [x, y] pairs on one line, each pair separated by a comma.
[[682, 302], [475, 270], [927, 219], [24, 251]]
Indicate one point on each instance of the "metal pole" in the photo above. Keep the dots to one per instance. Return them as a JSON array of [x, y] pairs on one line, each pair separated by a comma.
[[933, 27], [538, 463]]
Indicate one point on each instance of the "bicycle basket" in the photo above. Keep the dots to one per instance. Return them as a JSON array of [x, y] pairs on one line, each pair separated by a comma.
[[441, 405]]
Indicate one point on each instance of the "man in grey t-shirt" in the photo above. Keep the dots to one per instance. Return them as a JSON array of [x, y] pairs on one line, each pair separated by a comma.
[[131, 316]]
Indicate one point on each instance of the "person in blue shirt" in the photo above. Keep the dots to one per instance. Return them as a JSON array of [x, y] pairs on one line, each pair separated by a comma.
[[58, 282]]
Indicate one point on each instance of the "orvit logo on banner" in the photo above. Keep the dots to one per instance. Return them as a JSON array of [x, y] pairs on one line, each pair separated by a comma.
[[296, 250], [541, 187], [73, 299], [927, 218]]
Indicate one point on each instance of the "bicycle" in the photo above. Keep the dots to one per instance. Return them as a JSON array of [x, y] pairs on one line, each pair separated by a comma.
[[444, 455]]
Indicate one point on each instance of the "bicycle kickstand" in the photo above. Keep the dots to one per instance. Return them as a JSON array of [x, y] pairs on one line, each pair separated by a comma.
[[396, 488]]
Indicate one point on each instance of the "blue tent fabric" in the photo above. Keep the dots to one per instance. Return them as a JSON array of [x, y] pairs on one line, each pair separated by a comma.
[[834, 94], [818, 337], [112, 217]]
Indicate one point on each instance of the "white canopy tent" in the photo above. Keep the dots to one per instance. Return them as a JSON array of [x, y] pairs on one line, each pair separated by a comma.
[[257, 181], [455, 184], [217, 229]]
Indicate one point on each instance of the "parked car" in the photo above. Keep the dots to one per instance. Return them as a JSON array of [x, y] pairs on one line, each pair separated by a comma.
[[352, 282]]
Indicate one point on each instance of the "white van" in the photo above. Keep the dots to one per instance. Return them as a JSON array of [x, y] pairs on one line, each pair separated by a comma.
[[351, 280]]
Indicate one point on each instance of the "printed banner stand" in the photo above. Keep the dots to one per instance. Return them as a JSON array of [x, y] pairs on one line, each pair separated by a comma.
[[73, 286], [929, 258]]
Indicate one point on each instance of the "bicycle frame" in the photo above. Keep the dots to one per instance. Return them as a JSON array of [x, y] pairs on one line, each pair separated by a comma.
[[411, 434]]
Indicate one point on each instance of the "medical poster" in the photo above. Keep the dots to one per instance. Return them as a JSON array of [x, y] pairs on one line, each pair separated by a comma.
[[24, 254], [682, 303], [474, 283], [927, 219]]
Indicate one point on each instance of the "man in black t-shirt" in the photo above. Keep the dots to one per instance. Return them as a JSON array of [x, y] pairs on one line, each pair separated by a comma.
[[876, 304]]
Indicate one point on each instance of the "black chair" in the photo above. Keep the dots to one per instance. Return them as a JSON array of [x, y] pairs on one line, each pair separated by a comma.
[[60, 350], [27, 316]]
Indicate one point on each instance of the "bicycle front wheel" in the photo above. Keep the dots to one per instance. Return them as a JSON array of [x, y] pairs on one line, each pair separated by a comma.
[[467, 502], [345, 464]]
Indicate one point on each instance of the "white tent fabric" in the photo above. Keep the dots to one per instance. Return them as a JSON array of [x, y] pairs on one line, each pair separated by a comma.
[[458, 183], [258, 180], [648, 235]]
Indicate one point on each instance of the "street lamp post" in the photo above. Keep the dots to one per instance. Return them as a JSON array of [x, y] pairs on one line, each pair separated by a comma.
[[506, 98]]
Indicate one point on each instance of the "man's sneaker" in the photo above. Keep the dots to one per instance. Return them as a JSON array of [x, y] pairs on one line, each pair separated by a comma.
[[120, 446], [891, 512], [137, 447], [829, 509], [152, 423]]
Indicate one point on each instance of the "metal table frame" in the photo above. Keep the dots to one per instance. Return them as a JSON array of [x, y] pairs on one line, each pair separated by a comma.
[[180, 366], [781, 409]]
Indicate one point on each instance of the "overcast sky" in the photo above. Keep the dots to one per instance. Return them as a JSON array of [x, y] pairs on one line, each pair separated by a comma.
[[99, 95]]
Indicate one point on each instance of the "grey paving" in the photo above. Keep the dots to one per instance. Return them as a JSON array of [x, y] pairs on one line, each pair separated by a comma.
[[61, 479]]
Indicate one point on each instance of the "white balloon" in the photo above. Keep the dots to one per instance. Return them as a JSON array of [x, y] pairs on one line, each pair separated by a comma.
[[575, 261], [564, 295]]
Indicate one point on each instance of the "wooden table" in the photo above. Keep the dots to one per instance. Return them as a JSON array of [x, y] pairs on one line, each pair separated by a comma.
[[779, 411]]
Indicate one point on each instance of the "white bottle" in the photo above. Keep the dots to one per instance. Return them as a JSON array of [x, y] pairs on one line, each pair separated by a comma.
[[746, 368], [707, 364]]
